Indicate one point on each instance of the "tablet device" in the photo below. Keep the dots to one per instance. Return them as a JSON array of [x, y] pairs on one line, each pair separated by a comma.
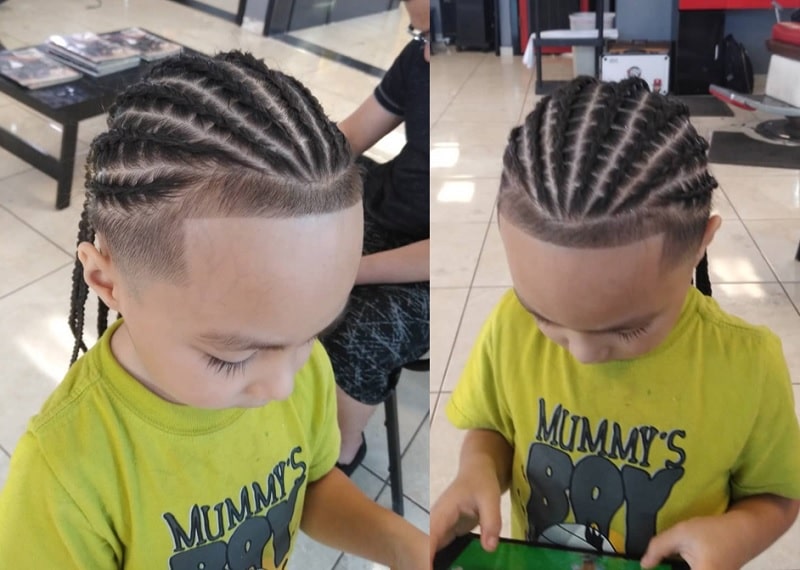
[[466, 553]]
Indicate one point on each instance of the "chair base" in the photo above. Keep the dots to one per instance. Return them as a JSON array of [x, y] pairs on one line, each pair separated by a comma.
[[780, 130]]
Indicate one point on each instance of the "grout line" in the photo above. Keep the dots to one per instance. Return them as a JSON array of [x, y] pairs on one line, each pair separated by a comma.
[[330, 54], [30, 227], [40, 278], [771, 269], [209, 9]]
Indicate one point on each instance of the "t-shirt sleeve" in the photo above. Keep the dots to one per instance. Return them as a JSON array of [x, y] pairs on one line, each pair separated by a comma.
[[770, 460], [41, 526], [478, 402], [325, 437], [391, 91]]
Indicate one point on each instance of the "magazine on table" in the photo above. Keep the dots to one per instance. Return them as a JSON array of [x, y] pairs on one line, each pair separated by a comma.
[[92, 50], [93, 70], [34, 69], [150, 46]]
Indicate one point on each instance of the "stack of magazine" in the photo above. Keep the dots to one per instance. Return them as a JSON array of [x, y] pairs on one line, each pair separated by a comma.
[[150, 46], [32, 68], [92, 54]]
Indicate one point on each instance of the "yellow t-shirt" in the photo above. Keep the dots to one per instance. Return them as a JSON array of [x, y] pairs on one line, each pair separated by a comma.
[[108, 475], [607, 455]]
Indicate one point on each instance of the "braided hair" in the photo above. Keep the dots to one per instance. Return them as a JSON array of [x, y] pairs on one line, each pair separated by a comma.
[[604, 164], [221, 136]]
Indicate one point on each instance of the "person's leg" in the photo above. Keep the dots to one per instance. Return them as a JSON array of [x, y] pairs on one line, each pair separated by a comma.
[[353, 418], [385, 326]]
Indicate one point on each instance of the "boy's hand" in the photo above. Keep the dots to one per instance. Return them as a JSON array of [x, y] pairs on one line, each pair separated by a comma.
[[705, 543], [473, 498], [727, 541]]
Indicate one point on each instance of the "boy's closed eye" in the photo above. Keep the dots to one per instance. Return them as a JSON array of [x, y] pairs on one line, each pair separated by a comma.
[[627, 331], [234, 343]]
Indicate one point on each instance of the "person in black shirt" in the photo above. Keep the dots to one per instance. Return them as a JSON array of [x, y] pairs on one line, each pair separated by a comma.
[[387, 322]]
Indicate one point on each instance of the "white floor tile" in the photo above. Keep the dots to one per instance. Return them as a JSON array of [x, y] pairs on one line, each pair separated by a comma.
[[778, 241], [31, 196], [30, 256], [764, 197], [36, 349], [416, 467], [412, 408], [463, 199], [480, 303], [447, 305], [455, 248], [492, 265], [734, 258]]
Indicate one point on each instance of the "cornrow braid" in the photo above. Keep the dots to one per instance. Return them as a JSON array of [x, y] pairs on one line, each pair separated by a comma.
[[602, 164], [221, 136]]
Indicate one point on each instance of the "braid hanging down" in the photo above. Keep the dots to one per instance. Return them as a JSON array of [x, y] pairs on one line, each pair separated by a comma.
[[199, 135]]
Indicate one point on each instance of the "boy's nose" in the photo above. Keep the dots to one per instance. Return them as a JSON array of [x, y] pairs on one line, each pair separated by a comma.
[[274, 384], [587, 352]]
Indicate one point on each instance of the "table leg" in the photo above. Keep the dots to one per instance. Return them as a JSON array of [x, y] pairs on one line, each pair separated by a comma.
[[69, 140]]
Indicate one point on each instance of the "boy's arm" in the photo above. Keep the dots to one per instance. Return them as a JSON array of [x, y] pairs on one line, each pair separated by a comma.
[[473, 498], [407, 264], [338, 514], [730, 540]]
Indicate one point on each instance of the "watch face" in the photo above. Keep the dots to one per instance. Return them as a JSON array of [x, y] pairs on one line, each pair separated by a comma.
[[634, 72]]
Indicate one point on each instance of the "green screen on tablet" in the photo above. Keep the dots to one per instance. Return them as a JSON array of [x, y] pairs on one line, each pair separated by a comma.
[[513, 555]]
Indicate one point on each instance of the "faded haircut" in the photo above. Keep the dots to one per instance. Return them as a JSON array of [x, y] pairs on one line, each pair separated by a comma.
[[201, 136], [604, 164]]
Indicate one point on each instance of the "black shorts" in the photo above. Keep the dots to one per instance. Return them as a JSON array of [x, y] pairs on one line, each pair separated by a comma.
[[384, 327]]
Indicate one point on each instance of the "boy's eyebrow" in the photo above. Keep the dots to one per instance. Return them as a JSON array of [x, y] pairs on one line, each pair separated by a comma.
[[630, 324], [242, 343]]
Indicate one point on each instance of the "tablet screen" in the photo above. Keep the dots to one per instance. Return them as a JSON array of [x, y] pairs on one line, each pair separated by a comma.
[[512, 555]]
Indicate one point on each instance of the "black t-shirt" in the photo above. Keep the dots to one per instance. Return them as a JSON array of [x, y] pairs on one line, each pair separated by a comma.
[[397, 193]]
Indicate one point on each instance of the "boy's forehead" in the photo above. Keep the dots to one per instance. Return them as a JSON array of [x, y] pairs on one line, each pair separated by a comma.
[[590, 289]]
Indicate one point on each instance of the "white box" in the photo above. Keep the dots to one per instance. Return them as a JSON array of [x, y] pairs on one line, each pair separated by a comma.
[[588, 20], [653, 68]]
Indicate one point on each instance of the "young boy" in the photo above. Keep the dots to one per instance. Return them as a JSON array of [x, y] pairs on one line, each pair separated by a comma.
[[223, 221], [624, 411]]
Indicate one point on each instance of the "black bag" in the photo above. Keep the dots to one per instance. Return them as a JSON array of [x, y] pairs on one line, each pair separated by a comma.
[[737, 69]]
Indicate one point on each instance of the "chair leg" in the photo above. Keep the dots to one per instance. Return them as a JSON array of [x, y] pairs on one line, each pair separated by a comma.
[[797, 255], [395, 457]]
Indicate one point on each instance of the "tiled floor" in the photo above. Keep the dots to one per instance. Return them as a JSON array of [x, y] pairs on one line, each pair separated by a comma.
[[38, 242], [475, 100]]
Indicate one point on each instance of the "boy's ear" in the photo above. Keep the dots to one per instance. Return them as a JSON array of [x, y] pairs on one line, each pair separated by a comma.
[[100, 274], [713, 224]]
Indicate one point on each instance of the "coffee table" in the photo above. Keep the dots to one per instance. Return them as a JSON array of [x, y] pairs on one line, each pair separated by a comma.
[[66, 104]]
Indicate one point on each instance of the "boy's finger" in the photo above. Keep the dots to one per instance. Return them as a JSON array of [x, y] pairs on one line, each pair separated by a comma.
[[490, 522], [660, 547]]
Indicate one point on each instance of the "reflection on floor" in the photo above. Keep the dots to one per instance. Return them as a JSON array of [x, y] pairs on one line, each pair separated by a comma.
[[475, 100], [39, 242]]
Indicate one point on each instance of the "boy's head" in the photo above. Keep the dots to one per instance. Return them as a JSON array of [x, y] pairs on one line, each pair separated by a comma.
[[227, 212], [604, 210]]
